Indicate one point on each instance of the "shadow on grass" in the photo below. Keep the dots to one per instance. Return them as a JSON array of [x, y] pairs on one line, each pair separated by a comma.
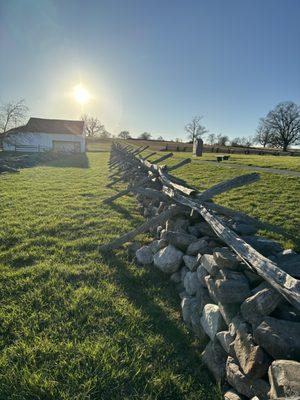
[[142, 290], [121, 210], [78, 160]]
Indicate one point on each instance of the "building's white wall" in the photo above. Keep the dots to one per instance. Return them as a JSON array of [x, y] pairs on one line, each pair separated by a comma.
[[39, 141]]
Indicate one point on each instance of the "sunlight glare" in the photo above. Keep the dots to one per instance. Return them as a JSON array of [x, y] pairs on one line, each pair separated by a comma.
[[81, 95]]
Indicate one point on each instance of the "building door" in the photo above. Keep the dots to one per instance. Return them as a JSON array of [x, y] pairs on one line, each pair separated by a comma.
[[64, 146]]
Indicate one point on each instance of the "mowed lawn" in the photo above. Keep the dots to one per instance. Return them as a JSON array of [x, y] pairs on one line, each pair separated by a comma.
[[75, 325]]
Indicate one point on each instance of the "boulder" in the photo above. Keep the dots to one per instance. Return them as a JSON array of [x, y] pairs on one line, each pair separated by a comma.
[[200, 246], [287, 312], [232, 395], [225, 258], [183, 272], [279, 338], [196, 310], [211, 320], [260, 304], [209, 263], [157, 245], [203, 297], [144, 255], [192, 230], [186, 309], [228, 311], [180, 240], [266, 247], [214, 357], [244, 229], [253, 361], [244, 385], [178, 224], [204, 229], [190, 262], [201, 274], [176, 277], [168, 259], [191, 283], [233, 290], [284, 377], [289, 261], [210, 283], [225, 338]]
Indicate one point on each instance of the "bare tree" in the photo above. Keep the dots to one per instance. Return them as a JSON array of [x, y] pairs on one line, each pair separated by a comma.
[[283, 125], [211, 138], [124, 135], [12, 114], [92, 126], [263, 134], [222, 139], [235, 142], [246, 141], [194, 129], [160, 138], [145, 136]]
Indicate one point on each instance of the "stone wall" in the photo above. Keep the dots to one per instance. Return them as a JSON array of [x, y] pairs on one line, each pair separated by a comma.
[[252, 334]]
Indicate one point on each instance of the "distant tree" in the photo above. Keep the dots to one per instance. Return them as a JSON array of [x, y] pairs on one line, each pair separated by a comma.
[[124, 135], [145, 136], [263, 135], [194, 129], [246, 141], [178, 140], [235, 142], [93, 127], [222, 139], [283, 125], [160, 138], [12, 114], [211, 138]]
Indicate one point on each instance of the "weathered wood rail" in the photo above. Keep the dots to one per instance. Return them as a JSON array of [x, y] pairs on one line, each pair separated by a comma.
[[155, 182]]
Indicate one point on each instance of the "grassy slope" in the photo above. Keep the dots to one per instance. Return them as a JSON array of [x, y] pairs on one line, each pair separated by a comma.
[[72, 324]]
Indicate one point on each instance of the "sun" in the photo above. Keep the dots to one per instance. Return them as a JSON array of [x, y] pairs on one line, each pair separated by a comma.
[[81, 95]]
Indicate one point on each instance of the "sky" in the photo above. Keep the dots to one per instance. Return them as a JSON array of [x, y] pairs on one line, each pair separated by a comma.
[[152, 65]]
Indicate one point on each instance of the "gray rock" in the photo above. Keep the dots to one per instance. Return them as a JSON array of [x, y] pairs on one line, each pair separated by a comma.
[[253, 360], [225, 338], [158, 231], [252, 277], [204, 229], [232, 395], [203, 297], [279, 338], [225, 258], [260, 304], [244, 229], [180, 240], [208, 262], [144, 255], [233, 290], [157, 245], [287, 312], [178, 224], [265, 246], [211, 320], [214, 357], [168, 259], [210, 283], [201, 274], [186, 309], [176, 277], [200, 246], [228, 311], [196, 310], [284, 377], [244, 385], [192, 230], [289, 261], [190, 262], [191, 282], [183, 272]]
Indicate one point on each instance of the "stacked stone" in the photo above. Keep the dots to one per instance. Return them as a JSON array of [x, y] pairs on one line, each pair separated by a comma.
[[252, 332]]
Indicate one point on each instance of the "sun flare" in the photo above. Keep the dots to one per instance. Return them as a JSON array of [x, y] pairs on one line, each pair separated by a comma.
[[81, 95]]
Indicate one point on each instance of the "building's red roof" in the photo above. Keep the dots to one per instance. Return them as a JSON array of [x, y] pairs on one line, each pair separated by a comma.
[[39, 125]]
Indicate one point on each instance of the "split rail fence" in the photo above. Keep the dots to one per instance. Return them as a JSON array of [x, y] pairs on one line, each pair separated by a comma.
[[155, 182]]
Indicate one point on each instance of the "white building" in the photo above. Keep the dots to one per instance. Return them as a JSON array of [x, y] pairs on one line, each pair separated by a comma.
[[41, 134]]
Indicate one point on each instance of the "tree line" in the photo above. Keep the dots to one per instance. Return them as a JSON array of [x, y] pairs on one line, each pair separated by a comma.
[[280, 128]]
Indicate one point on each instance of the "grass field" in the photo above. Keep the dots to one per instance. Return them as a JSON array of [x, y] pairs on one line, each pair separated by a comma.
[[74, 325]]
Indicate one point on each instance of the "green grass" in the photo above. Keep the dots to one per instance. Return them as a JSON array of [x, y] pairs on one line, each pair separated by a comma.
[[75, 325]]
